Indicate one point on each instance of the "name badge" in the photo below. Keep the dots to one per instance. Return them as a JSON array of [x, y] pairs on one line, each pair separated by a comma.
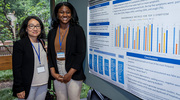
[[41, 69], [60, 55]]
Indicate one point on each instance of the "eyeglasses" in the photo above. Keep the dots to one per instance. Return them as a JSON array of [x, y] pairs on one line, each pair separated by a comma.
[[33, 26]]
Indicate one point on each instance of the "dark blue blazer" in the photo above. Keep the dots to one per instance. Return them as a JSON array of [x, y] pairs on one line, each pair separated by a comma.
[[75, 51]]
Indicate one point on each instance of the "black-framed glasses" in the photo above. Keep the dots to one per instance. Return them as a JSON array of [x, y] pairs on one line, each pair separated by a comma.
[[33, 26]]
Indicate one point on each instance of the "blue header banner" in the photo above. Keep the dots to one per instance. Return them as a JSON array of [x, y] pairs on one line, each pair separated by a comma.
[[154, 58], [99, 5], [119, 1], [99, 24]]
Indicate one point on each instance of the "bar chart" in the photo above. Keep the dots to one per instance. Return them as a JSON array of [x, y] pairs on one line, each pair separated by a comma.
[[148, 37]]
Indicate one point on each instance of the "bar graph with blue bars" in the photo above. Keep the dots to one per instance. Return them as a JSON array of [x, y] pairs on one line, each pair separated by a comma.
[[122, 35]]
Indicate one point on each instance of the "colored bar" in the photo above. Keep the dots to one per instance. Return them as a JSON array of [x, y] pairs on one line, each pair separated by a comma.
[[146, 40], [127, 37], [173, 40], [159, 47], [179, 43], [124, 40], [118, 36], [176, 48], [164, 42], [115, 37], [139, 40], [137, 37], [149, 37], [157, 38], [134, 44], [133, 39]]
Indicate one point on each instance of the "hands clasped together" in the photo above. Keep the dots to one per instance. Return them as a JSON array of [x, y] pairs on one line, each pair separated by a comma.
[[63, 79], [21, 95]]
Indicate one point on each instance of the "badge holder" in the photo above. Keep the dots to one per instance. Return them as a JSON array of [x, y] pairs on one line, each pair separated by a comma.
[[60, 54], [40, 69]]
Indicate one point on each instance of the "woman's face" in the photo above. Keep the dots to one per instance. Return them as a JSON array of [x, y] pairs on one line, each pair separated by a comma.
[[64, 15], [34, 28]]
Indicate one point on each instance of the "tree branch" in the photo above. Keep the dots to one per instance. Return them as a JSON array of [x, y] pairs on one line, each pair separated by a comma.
[[5, 14]]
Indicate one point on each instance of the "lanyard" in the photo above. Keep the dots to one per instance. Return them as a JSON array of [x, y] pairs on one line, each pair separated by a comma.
[[37, 52], [60, 42]]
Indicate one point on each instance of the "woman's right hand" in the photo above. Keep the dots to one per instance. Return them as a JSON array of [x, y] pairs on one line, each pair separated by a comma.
[[58, 77], [21, 95], [55, 75]]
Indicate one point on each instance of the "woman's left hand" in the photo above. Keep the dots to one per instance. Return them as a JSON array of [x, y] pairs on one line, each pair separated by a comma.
[[67, 78]]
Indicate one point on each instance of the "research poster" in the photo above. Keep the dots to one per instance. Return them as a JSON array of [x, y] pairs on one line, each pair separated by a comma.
[[135, 45]]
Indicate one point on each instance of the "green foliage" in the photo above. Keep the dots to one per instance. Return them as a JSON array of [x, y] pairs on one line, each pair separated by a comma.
[[6, 94], [5, 27], [6, 75], [84, 90], [22, 9]]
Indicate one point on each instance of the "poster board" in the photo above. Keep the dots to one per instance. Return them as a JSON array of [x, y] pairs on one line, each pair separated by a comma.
[[145, 35]]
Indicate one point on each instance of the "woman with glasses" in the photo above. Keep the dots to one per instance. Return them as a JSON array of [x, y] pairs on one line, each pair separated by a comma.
[[66, 52], [30, 68]]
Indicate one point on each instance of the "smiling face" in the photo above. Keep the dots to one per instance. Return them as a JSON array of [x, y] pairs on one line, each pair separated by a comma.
[[34, 28], [64, 15]]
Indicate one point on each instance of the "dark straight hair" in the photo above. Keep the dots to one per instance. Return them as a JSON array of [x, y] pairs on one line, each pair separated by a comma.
[[23, 33], [56, 21]]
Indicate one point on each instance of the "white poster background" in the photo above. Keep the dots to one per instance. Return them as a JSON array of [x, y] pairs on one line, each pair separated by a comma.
[[135, 45]]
